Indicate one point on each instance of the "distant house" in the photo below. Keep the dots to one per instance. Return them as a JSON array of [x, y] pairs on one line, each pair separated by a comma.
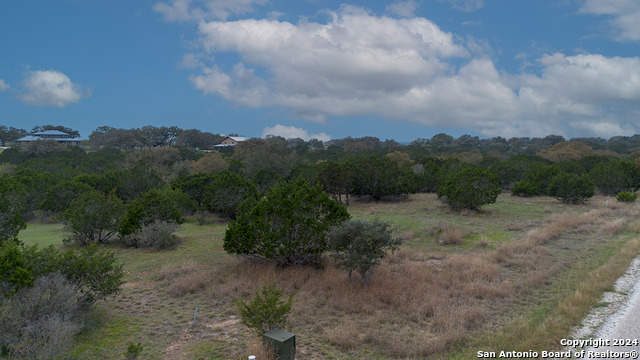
[[230, 141], [59, 136]]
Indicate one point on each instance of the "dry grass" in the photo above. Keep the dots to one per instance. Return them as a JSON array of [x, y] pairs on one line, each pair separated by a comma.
[[450, 236], [412, 307], [261, 352], [634, 226], [170, 272], [613, 227], [190, 283]]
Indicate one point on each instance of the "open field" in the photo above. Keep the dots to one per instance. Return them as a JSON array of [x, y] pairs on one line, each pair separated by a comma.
[[515, 276]]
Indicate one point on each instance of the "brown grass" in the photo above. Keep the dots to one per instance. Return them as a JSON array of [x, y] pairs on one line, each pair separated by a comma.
[[450, 236], [634, 226], [422, 299], [169, 272], [613, 227], [190, 283]]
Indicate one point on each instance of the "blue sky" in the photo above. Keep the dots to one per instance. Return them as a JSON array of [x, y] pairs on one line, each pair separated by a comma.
[[326, 69]]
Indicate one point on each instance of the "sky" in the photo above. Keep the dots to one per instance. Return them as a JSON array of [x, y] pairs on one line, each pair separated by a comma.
[[324, 69]]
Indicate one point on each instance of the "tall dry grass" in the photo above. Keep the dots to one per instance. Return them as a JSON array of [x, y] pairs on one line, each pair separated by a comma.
[[414, 305]]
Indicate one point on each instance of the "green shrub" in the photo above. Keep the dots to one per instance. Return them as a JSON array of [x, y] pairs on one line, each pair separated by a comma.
[[93, 271], [288, 226], [133, 351], [226, 192], [12, 205], [571, 188], [146, 209], [524, 188], [265, 311], [614, 176], [625, 196], [93, 217], [359, 245], [469, 188]]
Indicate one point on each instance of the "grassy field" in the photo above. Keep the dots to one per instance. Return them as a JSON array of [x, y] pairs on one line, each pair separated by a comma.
[[515, 276]]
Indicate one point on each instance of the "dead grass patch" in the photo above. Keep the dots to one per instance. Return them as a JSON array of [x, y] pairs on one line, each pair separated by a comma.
[[190, 283], [406, 295], [613, 227], [634, 226], [171, 272], [450, 236]]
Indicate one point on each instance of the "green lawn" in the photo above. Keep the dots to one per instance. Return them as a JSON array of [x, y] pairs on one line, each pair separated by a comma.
[[42, 234]]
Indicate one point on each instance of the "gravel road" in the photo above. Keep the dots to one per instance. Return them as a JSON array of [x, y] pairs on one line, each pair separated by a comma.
[[619, 320]]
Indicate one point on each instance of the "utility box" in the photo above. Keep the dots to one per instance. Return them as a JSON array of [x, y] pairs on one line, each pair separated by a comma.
[[283, 343]]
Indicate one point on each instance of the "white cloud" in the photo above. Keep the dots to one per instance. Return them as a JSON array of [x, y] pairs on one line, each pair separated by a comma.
[[200, 10], [465, 5], [290, 132], [51, 88], [403, 8], [624, 16], [353, 60], [359, 64], [4, 86]]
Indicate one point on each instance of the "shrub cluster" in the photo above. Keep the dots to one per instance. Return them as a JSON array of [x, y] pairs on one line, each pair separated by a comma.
[[571, 188], [45, 291], [288, 226], [626, 196]]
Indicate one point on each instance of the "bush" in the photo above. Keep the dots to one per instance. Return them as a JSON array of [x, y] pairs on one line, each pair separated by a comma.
[[11, 208], [158, 235], [93, 271], [39, 322], [265, 312], [288, 226], [469, 188], [226, 192], [524, 188], [146, 209], [614, 176], [93, 217], [571, 188], [359, 245], [625, 196]]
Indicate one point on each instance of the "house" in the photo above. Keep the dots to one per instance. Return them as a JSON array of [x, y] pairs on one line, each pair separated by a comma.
[[230, 141], [59, 136]]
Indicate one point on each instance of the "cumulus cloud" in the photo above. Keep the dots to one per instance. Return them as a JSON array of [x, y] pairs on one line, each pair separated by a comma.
[[343, 65], [403, 8], [4, 86], [290, 132], [50, 88], [360, 64], [186, 10], [624, 16]]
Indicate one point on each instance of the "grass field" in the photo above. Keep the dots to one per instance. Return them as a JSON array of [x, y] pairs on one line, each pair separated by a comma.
[[515, 276]]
